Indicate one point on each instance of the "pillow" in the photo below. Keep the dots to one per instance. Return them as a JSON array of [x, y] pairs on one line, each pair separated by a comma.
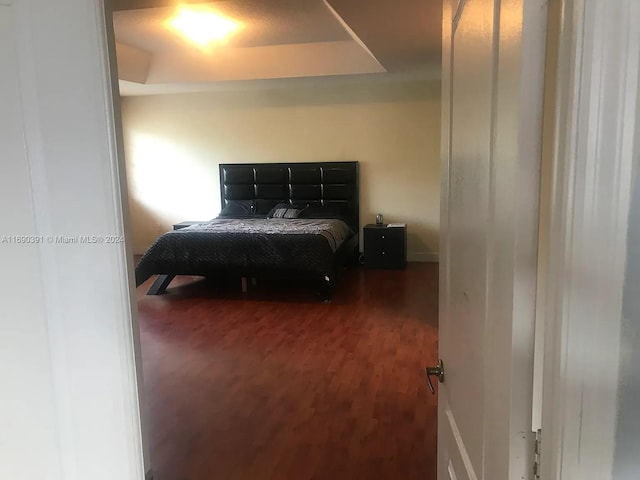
[[238, 209], [286, 210]]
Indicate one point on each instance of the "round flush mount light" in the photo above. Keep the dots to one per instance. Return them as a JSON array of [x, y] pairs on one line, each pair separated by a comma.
[[201, 24]]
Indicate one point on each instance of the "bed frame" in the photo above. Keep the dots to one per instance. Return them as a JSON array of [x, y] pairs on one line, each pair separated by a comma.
[[320, 183]]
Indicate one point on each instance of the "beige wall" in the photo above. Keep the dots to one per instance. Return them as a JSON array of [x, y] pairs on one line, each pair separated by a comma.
[[174, 144]]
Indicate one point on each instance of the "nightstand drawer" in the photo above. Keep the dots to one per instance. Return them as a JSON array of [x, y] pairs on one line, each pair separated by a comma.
[[385, 247]]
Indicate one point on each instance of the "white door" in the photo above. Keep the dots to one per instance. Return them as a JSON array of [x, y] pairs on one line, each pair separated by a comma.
[[493, 76]]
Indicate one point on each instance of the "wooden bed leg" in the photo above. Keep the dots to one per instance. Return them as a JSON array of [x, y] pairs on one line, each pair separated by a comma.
[[244, 284], [160, 284]]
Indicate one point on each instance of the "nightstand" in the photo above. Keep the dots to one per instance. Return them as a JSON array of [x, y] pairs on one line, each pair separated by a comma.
[[178, 226], [384, 246]]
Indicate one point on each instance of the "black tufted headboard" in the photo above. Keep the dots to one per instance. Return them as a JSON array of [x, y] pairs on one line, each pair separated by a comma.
[[325, 183]]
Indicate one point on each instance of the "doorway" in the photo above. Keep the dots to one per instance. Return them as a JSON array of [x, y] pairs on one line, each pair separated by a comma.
[[271, 381]]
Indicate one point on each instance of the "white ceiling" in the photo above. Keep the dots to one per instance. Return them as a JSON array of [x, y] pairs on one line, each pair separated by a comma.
[[279, 39]]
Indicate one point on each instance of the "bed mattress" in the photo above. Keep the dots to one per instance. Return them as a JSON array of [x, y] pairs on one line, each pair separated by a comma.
[[247, 246]]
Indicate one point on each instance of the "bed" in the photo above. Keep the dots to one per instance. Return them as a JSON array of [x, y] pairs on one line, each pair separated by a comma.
[[293, 220]]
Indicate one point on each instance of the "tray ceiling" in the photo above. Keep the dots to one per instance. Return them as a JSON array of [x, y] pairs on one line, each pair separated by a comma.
[[277, 39]]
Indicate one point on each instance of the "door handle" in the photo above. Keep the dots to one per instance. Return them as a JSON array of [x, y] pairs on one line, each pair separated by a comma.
[[437, 371]]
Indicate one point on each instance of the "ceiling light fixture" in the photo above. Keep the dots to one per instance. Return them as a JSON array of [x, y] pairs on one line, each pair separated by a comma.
[[201, 25]]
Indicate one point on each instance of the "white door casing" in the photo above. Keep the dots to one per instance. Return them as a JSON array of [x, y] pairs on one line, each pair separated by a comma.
[[493, 73], [26, 401], [594, 122], [67, 343]]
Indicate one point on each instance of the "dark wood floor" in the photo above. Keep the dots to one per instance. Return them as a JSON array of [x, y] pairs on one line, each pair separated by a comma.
[[277, 385]]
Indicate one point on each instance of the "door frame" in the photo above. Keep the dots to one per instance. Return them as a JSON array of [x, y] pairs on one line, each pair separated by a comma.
[[592, 155], [68, 93]]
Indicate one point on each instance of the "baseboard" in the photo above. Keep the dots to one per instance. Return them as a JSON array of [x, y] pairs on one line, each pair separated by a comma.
[[423, 257]]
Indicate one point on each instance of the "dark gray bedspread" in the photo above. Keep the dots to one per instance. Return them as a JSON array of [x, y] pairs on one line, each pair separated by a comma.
[[246, 246]]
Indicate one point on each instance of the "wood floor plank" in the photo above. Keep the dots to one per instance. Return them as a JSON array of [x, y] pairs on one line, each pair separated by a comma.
[[274, 384]]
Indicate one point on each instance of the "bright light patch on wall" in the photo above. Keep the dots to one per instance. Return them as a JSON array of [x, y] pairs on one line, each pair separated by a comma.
[[201, 25], [170, 182]]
